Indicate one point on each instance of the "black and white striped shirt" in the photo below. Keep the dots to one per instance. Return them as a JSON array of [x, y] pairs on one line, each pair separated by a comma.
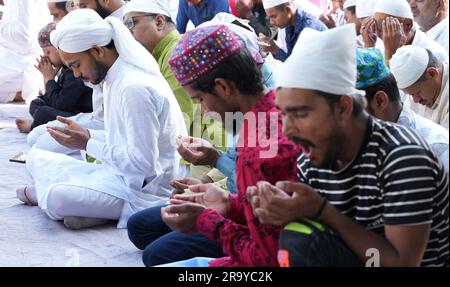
[[396, 179]]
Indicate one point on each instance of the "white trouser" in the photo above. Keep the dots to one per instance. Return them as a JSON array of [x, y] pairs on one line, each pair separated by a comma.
[[9, 86], [70, 200], [94, 192], [41, 139]]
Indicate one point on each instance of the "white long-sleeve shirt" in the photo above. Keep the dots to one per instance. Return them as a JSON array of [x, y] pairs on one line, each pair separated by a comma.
[[423, 40], [142, 119], [439, 33], [438, 113]]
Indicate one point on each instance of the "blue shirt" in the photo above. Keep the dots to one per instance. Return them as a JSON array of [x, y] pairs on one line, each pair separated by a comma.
[[227, 164], [303, 20], [199, 15]]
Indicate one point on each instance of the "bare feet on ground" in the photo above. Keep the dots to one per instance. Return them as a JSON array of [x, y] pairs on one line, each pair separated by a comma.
[[18, 97], [24, 126]]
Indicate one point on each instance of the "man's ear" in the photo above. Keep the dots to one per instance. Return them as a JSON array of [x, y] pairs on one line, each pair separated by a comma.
[[380, 101], [344, 108], [441, 7], [432, 72], [160, 21], [97, 52], [224, 88]]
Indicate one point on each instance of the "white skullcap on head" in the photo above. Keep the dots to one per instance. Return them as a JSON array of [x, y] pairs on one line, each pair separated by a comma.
[[247, 37], [56, 1], [322, 61], [396, 8], [349, 3], [81, 29], [365, 8], [273, 3], [408, 64], [148, 6]]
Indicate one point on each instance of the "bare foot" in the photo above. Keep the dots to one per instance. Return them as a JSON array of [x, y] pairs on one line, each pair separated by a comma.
[[27, 194], [18, 97], [24, 126]]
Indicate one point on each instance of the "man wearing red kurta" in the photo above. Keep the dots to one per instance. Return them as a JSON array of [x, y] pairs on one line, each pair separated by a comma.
[[263, 153]]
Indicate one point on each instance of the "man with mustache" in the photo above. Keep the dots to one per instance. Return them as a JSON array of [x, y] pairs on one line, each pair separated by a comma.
[[370, 192], [104, 8], [425, 78], [137, 148], [392, 21], [39, 137], [432, 17]]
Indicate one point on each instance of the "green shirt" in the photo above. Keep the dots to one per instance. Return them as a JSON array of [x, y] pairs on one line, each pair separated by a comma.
[[162, 53]]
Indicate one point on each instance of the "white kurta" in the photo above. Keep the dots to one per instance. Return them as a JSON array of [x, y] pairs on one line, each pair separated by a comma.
[[118, 13], [423, 40], [19, 48], [435, 135], [137, 149], [438, 113], [40, 138], [439, 33]]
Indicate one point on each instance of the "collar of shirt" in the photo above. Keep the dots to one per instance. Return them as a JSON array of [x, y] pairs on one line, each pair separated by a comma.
[[299, 23], [118, 13], [113, 71], [444, 82], [438, 29], [406, 118], [164, 43], [421, 39]]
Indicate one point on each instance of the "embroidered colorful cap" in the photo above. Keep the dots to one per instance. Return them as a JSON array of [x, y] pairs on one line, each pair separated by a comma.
[[200, 51], [371, 67], [44, 34]]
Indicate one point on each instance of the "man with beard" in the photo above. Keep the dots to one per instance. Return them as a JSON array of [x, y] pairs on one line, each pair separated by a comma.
[[229, 84], [370, 191], [392, 21], [58, 8], [104, 8], [425, 78], [137, 148], [432, 17], [39, 137]]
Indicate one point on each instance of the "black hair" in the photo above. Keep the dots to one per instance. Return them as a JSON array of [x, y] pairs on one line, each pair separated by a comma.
[[61, 6], [110, 45], [333, 99], [433, 62], [387, 85], [240, 68], [352, 9], [168, 19]]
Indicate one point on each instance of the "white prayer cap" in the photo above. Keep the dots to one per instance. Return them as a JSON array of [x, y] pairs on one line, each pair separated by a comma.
[[148, 6], [396, 8], [273, 3], [247, 37], [408, 64], [56, 1], [349, 3], [81, 29], [365, 8], [322, 61]]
